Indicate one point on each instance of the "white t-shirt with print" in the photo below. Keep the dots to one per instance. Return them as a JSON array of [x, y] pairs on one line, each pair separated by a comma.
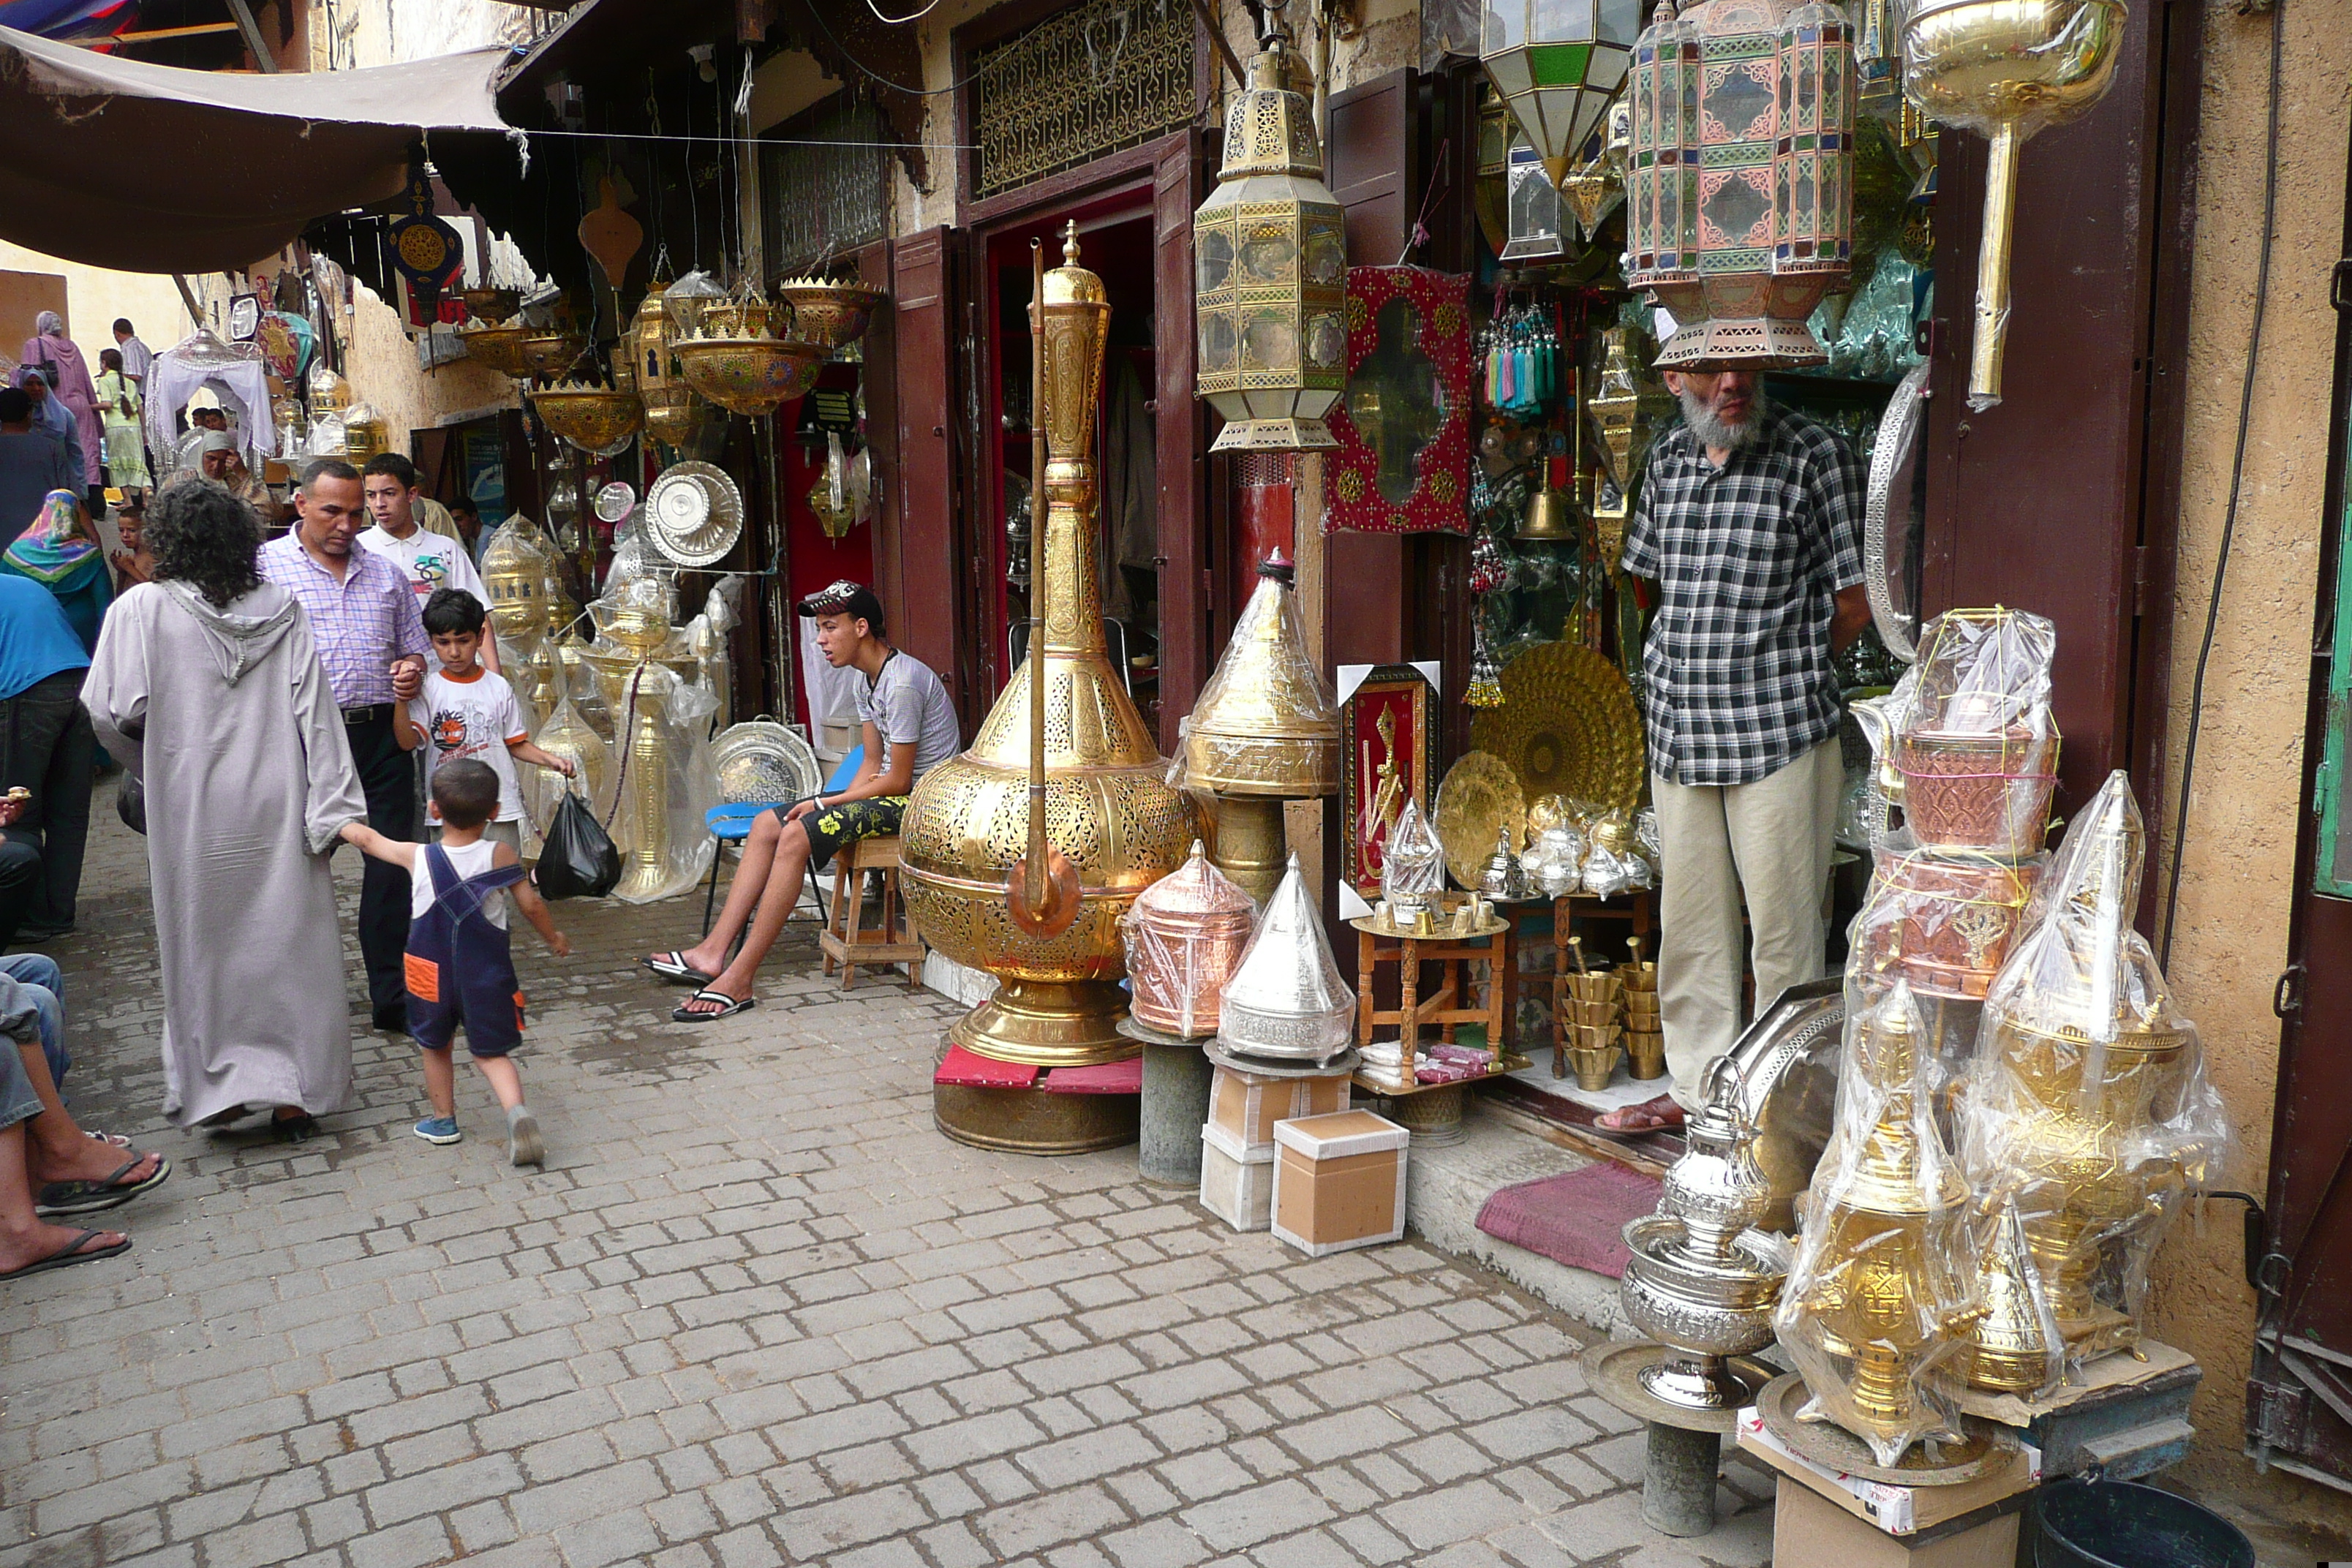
[[471, 720], [431, 561]]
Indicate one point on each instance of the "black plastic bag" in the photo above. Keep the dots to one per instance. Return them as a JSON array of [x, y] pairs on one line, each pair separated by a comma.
[[131, 803], [579, 860]]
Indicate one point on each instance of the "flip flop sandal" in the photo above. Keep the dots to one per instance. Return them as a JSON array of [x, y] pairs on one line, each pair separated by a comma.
[[730, 1007], [115, 1139], [673, 967], [77, 1250], [60, 1200]]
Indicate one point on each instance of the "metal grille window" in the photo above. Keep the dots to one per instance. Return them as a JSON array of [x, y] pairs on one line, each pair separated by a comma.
[[827, 183], [1102, 75]]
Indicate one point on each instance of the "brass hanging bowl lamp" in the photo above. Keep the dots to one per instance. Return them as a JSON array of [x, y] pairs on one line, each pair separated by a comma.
[[733, 358], [598, 420], [826, 312], [500, 347]]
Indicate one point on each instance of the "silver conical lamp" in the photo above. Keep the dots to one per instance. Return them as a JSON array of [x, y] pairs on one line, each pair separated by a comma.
[[1288, 1002]]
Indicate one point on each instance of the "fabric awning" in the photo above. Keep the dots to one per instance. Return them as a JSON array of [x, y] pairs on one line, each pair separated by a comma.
[[149, 168]]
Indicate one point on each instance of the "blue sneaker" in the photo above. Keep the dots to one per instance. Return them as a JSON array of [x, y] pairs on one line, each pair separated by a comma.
[[438, 1130]]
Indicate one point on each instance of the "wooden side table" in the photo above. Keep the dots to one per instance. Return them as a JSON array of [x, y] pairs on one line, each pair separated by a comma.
[[1433, 1110]]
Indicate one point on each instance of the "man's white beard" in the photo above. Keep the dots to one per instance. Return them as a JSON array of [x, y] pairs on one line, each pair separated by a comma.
[[1716, 434]]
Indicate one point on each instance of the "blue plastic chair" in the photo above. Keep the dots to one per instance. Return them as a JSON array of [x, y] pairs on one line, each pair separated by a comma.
[[731, 823]]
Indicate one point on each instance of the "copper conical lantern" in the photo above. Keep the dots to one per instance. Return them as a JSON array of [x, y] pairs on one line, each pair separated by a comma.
[[1108, 806]]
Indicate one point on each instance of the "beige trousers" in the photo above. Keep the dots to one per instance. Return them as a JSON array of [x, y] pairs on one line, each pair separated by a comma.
[[1769, 841]]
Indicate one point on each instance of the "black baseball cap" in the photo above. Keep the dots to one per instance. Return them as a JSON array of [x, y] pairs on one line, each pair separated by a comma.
[[843, 596]]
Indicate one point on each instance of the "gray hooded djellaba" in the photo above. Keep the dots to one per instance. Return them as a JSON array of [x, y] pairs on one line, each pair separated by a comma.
[[227, 718]]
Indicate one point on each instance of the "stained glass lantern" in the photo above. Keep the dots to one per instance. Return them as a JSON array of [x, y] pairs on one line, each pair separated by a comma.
[[1270, 272], [1739, 199], [1557, 64]]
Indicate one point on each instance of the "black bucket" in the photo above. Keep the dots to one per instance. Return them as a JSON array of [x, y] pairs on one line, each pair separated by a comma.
[[2115, 1524]]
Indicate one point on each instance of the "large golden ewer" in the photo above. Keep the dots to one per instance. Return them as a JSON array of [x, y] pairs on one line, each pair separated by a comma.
[[1108, 808]]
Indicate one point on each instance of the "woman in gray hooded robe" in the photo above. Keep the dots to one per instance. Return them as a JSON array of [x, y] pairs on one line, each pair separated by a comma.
[[206, 684]]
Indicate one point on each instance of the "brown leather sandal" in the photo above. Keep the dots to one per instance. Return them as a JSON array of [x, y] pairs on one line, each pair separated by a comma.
[[1659, 1115]]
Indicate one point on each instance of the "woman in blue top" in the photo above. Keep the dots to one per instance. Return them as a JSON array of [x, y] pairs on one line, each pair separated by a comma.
[[60, 551]]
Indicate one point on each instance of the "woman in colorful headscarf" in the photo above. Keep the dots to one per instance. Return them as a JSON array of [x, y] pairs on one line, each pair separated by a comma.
[[118, 408], [68, 374], [60, 551]]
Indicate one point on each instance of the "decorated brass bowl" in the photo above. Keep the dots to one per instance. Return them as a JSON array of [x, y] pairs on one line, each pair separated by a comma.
[[736, 318], [1478, 801], [501, 348], [748, 376], [492, 304], [1567, 726], [827, 313], [550, 355], [598, 420]]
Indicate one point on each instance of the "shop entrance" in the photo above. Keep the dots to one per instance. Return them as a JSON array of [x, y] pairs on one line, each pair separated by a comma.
[[1115, 240]]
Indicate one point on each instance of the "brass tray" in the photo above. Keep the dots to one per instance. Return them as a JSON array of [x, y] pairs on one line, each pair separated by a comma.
[[1479, 797], [1567, 726]]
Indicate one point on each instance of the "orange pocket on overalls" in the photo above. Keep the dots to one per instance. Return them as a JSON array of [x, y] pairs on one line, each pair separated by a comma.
[[424, 977]]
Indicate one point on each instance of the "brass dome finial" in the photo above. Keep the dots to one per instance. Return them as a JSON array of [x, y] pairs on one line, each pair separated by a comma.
[[1070, 243]]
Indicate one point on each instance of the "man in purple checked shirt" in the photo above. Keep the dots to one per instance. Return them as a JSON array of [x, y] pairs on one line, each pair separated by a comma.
[[363, 617]]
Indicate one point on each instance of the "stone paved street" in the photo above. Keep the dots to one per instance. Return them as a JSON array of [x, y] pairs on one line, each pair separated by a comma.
[[755, 1310]]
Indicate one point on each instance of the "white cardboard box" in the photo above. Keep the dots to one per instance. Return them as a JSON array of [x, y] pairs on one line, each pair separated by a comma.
[[1236, 1183], [1339, 1181]]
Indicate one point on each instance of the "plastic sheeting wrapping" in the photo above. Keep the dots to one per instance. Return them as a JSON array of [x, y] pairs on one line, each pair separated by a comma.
[[1943, 920], [1555, 861], [1184, 935], [2086, 1118], [663, 785], [1882, 1296], [568, 735], [1973, 738]]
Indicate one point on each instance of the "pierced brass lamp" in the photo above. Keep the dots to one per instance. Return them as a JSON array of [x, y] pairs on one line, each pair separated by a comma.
[[1270, 272]]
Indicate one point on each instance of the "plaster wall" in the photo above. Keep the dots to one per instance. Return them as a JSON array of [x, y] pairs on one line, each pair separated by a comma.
[[380, 365], [94, 296], [2238, 869]]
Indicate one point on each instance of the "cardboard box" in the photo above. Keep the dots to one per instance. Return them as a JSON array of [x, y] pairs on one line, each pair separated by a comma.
[[1246, 1105], [1236, 1185], [1809, 1530], [1339, 1181], [1894, 1509]]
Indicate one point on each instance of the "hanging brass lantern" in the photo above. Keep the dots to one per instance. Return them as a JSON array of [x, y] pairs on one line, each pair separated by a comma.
[[673, 414], [1631, 406], [1740, 200], [1271, 272], [737, 362], [1108, 806]]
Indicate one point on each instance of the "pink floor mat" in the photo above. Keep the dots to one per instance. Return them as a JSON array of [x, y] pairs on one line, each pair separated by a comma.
[[1574, 1219]]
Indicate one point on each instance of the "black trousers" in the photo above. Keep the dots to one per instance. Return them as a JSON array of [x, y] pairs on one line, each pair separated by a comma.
[[48, 746], [387, 774], [20, 887]]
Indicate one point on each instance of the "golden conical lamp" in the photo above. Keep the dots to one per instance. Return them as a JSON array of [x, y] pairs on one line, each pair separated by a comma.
[[1109, 807], [1266, 728]]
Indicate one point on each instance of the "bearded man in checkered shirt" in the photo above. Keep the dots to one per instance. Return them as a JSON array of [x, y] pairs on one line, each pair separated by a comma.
[[1748, 526]]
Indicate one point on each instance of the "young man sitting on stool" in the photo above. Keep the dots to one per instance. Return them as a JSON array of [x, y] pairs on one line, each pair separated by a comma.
[[903, 705]]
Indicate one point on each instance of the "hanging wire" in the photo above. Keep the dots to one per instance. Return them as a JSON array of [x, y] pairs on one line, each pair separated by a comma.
[[2237, 480]]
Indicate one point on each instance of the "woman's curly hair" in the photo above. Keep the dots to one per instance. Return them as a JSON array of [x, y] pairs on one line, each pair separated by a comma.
[[202, 534]]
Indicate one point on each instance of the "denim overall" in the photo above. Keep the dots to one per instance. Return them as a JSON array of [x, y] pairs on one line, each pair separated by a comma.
[[460, 967]]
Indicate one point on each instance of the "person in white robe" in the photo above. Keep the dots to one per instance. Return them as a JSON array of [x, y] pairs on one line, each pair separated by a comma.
[[206, 685]]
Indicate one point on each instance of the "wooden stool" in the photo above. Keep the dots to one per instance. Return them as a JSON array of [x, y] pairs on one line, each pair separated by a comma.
[[844, 941], [1432, 1112]]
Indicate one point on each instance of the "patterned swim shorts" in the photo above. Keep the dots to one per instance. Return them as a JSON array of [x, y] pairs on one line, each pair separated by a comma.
[[847, 821]]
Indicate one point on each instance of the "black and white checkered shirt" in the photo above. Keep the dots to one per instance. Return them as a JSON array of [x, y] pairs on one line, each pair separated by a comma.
[[1748, 558]]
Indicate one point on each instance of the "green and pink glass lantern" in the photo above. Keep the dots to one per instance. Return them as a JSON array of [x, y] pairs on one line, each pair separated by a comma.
[[1739, 184], [1558, 64]]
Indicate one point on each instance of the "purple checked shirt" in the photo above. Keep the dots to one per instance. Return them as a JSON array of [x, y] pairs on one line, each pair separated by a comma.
[[360, 624]]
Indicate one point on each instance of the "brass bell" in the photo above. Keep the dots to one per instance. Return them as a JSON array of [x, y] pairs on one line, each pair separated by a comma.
[[1550, 516]]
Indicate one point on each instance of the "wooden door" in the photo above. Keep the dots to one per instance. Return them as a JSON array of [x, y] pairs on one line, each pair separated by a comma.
[[2299, 1392], [923, 543]]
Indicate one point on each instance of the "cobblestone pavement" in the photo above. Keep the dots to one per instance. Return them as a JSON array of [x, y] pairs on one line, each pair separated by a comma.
[[754, 1310]]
